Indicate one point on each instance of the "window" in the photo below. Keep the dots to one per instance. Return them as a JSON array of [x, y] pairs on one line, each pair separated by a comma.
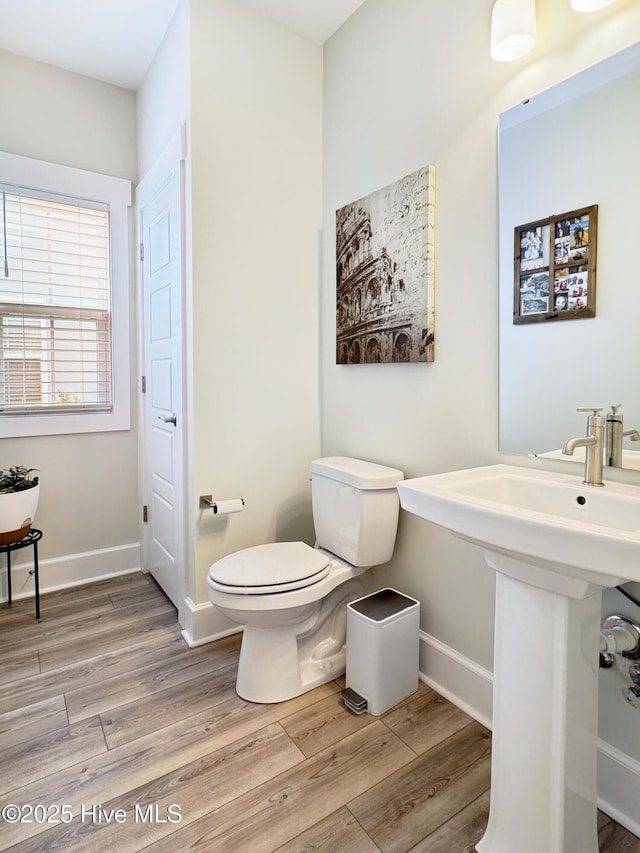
[[64, 295], [55, 317]]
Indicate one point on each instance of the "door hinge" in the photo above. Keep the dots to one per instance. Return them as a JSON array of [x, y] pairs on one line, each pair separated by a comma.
[[142, 251], [145, 513], [144, 384]]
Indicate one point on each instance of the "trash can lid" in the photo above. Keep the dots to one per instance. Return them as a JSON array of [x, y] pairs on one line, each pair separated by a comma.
[[382, 604]]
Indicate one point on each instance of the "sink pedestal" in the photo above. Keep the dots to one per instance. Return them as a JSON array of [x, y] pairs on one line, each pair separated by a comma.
[[554, 544], [543, 772]]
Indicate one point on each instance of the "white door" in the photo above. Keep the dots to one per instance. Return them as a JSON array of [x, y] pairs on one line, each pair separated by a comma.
[[160, 232]]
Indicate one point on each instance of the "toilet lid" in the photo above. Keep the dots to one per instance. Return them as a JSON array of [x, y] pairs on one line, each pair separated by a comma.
[[276, 567]]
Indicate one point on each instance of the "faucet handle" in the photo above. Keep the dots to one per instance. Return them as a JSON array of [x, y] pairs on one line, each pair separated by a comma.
[[595, 409], [615, 407]]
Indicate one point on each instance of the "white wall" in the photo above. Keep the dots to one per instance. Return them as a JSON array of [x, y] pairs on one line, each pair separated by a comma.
[[89, 493], [56, 115], [256, 136], [409, 83], [163, 98], [249, 95]]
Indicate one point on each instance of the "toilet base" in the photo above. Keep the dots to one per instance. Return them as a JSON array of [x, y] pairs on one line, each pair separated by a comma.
[[278, 663], [269, 669]]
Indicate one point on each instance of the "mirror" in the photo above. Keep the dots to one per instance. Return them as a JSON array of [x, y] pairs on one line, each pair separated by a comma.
[[568, 148]]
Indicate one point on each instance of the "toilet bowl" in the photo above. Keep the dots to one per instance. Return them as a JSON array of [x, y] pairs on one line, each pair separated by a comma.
[[294, 638], [291, 598]]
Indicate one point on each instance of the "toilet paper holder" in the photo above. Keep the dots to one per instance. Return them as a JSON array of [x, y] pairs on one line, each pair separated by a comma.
[[207, 502]]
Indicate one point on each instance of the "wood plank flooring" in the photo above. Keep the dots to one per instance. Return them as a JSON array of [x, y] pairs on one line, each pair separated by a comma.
[[105, 710]]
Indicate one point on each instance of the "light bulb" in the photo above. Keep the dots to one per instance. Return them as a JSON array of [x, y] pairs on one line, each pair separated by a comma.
[[589, 5], [513, 29]]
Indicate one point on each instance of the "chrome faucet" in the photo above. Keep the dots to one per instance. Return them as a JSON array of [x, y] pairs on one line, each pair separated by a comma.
[[613, 437], [593, 441]]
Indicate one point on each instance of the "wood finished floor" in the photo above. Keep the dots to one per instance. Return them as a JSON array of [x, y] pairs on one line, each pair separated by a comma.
[[102, 704]]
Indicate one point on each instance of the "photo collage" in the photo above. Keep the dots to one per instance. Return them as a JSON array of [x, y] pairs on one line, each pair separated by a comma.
[[554, 260]]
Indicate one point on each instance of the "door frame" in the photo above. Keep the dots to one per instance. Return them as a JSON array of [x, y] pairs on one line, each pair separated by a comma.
[[172, 158]]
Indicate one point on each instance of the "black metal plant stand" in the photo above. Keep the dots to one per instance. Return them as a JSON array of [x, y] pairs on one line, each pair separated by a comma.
[[32, 538]]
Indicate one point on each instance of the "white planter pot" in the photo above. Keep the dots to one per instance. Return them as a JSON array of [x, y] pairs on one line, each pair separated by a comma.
[[17, 511]]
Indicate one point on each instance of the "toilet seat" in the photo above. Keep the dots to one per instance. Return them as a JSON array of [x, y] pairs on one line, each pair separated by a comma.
[[263, 569]]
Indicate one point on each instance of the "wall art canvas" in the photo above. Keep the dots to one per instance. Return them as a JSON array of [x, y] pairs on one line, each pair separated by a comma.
[[385, 274]]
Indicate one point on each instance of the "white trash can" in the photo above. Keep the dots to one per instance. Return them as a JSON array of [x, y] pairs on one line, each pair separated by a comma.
[[382, 651]]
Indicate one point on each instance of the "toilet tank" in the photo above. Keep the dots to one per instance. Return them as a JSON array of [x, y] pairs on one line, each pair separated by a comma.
[[355, 509]]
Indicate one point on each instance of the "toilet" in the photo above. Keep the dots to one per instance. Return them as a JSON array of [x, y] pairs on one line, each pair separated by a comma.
[[291, 598]]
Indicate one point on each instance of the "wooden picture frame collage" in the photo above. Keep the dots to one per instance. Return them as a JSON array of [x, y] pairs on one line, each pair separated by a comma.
[[555, 267]]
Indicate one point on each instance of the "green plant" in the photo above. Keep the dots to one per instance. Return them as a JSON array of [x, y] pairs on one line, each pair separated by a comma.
[[17, 479]]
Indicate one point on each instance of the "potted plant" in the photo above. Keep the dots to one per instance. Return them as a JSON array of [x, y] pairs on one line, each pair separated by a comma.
[[19, 493]]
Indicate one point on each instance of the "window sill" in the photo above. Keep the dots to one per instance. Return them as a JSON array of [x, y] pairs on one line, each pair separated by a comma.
[[20, 426]]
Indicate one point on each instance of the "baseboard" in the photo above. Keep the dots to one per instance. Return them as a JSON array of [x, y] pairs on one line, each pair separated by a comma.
[[203, 623], [459, 679], [71, 569], [619, 786], [470, 688]]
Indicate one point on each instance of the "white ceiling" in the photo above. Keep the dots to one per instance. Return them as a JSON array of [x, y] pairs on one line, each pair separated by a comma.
[[115, 40]]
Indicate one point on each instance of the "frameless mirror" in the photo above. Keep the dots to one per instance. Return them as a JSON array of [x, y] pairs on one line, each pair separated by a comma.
[[566, 149]]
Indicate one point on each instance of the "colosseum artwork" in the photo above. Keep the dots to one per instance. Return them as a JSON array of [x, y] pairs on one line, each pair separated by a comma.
[[385, 274]]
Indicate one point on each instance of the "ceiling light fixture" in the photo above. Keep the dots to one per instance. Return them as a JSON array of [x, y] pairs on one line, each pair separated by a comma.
[[513, 28], [589, 5]]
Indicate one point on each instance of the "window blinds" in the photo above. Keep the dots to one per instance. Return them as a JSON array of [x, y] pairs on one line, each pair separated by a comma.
[[55, 318]]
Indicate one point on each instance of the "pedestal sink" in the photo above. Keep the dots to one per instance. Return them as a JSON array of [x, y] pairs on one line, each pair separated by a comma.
[[554, 544]]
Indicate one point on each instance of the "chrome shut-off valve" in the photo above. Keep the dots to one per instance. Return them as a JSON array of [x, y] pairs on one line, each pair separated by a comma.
[[620, 636], [632, 693]]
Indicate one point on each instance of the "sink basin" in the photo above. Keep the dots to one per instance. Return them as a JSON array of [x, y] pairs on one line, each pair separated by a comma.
[[549, 520], [554, 543]]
